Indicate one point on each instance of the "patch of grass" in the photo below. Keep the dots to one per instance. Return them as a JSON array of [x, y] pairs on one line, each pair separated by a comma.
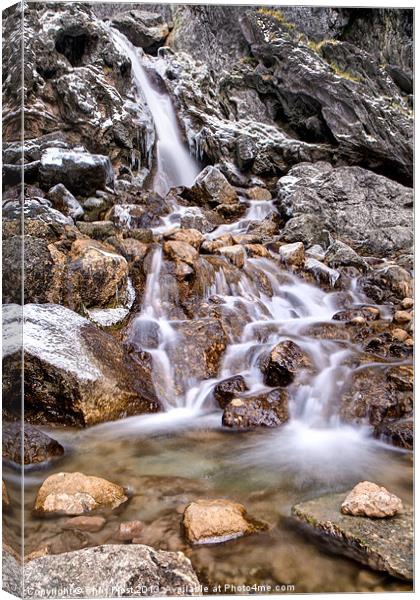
[[344, 74], [316, 46], [277, 15]]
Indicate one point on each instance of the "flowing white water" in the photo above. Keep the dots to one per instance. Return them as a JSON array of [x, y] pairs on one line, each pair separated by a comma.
[[175, 166]]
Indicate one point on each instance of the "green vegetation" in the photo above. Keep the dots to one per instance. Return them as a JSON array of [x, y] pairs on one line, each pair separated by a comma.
[[344, 74], [276, 15]]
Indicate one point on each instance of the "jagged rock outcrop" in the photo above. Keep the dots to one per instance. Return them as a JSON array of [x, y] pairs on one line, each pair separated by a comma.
[[144, 29], [369, 212]]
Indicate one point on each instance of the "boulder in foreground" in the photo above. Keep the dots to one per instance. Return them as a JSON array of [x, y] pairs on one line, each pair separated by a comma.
[[114, 570], [382, 544], [215, 521], [76, 493], [367, 499]]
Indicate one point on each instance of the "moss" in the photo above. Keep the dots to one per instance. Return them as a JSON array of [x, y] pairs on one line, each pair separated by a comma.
[[317, 46], [344, 74], [277, 15]]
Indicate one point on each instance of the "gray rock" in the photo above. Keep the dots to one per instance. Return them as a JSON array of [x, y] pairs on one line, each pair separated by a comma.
[[341, 255], [369, 212], [80, 172], [114, 571], [144, 29], [382, 544], [65, 202]]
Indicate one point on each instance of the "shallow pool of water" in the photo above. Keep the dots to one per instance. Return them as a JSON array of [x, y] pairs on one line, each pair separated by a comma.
[[169, 460]]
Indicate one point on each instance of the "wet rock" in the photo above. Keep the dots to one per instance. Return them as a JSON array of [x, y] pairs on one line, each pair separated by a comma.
[[193, 237], [403, 316], [181, 251], [341, 255], [85, 523], [236, 254], [256, 251], [201, 345], [196, 220], [377, 394], [25, 444], [372, 213], [227, 389], [321, 273], [399, 334], [98, 276], [128, 530], [367, 313], [292, 254], [382, 544], [399, 432], [108, 568], [407, 303], [262, 410], [368, 499], [79, 172], [76, 493], [144, 29], [65, 202], [5, 495], [92, 380], [386, 283], [281, 365], [211, 188], [215, 521]]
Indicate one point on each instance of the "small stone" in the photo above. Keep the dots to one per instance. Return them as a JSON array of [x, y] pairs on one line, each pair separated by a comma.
[[402, 316], [212, 521], [409, 342], [367, 499], [358, 320], [400, 335], [293, 254], [91, 524], [128, 530], [407, 303], [76, 493]]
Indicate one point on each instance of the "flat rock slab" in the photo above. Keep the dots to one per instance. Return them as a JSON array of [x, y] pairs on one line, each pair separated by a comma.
[[113, 571], [382, 544]]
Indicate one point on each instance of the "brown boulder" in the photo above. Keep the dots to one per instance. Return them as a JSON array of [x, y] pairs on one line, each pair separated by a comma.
[[215, 521], [25, 444], [76, 494], [367, 499], [181, 251], [193, 237], [236, 254], [75, 373], [281, 365], [262, 410], [292, 255]]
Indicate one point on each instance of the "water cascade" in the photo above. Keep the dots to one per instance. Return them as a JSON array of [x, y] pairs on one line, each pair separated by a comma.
[[175, 166]]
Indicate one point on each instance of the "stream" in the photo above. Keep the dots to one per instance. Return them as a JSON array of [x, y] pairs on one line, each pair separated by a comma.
[[168, 459]]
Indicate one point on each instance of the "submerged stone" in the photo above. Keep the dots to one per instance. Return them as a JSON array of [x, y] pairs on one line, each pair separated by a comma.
[[382, 544]]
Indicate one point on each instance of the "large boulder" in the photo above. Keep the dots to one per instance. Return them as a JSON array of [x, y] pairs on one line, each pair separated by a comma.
[[267, 409], [80, 172], [24, 444], [227, 389], [212, 521], [76, 493], [369, 212], [144, 29], [211, 188], [114, 570], [82, 379], [382, 544]]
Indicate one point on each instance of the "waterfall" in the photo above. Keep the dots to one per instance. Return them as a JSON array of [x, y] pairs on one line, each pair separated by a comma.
[[175, 166]]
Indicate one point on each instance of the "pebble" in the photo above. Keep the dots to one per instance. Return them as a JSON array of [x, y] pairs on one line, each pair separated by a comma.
[[399, 334], [128, 530], [407, 303], [402, 316]]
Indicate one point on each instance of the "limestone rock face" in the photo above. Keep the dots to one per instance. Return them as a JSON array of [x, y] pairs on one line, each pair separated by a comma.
[[76, 493], [37, 446], [367, 499], [382, 544], [369, 212], [90, 380], [212, 521], [103, 570]]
